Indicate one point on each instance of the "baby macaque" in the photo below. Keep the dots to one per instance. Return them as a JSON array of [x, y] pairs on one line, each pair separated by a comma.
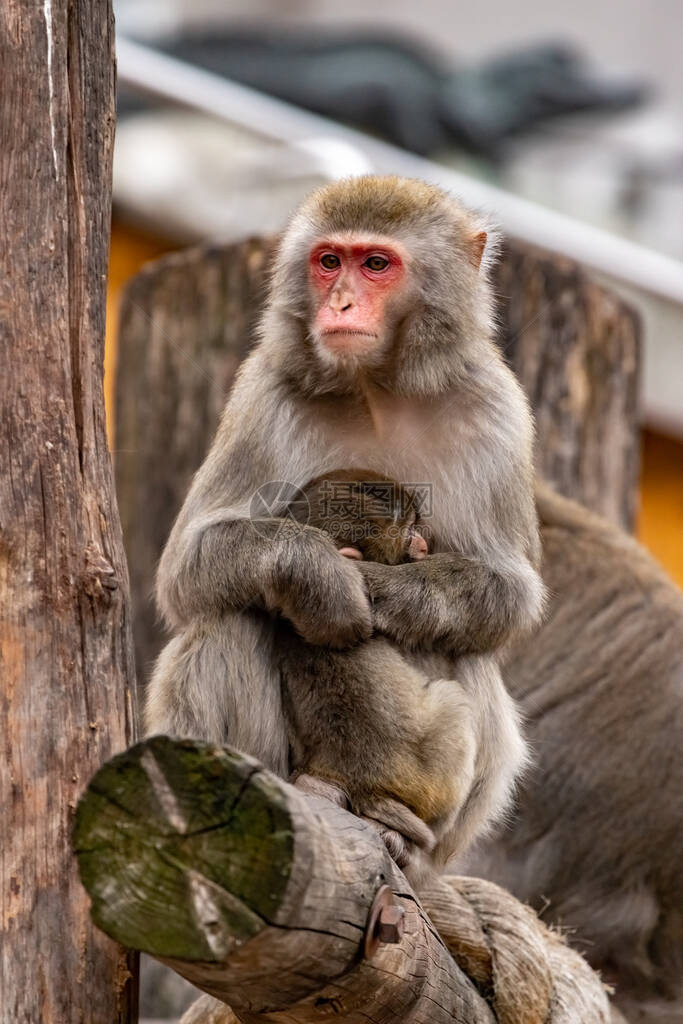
[[367, 515], [389, 730]]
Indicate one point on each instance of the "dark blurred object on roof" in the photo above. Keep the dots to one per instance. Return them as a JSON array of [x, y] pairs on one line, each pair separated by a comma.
[[406, 93]]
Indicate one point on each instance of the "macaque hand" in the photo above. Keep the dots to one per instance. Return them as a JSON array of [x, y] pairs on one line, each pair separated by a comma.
[[399, 604], [323, 595], [352, 553]]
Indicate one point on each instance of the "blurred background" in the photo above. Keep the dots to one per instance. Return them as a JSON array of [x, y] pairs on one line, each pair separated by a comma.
[[565, 121]]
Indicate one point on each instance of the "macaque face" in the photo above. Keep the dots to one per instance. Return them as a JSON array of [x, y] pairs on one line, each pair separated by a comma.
[[360, 286]]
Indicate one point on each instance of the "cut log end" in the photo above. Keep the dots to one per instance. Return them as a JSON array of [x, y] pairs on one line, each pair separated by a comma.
[[254, 892], [281, 904], [184, 849]]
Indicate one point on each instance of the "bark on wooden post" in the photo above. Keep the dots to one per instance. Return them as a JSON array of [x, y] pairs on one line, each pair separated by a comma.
[[574, 347], [187, 321], [263, 897], [66, 665]]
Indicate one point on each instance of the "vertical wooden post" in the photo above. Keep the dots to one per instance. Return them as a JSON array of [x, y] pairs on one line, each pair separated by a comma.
[[66, 666]]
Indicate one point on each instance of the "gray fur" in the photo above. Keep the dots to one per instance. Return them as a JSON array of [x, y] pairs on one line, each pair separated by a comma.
[[437, 404], [597, 844]]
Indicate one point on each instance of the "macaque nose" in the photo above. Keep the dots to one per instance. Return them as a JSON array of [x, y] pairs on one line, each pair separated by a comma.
[[341, 300], [417, 548]]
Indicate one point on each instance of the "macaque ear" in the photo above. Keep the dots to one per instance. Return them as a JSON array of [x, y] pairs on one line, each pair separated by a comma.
[[477, 244]]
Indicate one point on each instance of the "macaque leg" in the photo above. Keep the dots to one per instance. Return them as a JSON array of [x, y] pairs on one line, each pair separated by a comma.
[[398, 746], [218, 681]]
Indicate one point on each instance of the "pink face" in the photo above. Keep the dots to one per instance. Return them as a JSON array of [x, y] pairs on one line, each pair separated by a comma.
[[355, 282]]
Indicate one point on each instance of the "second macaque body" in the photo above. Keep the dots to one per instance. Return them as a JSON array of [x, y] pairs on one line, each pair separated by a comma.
[[389, 726]]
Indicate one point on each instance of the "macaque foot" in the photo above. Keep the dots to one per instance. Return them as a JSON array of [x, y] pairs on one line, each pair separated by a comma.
[[405, 835], [315, 786], [399, 848], [411, 858]]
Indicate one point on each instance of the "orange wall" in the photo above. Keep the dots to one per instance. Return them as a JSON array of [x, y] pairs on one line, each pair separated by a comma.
[[660, 524], [129, 250]]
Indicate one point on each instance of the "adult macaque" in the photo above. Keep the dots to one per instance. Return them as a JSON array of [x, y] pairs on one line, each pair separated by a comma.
[[597, 843], [376, 350]]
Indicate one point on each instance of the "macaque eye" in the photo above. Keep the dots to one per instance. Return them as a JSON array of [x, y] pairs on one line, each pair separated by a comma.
[[329, 261], [376, 263]]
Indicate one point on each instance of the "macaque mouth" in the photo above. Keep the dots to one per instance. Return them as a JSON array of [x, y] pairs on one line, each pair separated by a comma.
[[349, 330]]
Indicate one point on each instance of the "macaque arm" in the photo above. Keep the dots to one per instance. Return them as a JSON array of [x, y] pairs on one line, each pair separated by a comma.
[[483, 590], [453, 602], [221, 559], [464, 604], [273, 564]]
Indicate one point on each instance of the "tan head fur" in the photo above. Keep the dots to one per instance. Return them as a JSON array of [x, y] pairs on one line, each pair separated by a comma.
[[442, 308]]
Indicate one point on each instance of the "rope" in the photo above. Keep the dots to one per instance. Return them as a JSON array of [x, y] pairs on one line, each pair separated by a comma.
[[526, 972]]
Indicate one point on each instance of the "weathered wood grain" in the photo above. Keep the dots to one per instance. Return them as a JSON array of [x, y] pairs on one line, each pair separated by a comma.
[[187, 321], [255, 893], [260, 896], [575, 347], [66, 663]]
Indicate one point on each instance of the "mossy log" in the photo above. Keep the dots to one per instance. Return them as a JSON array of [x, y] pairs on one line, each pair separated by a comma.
[[261, 897]]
